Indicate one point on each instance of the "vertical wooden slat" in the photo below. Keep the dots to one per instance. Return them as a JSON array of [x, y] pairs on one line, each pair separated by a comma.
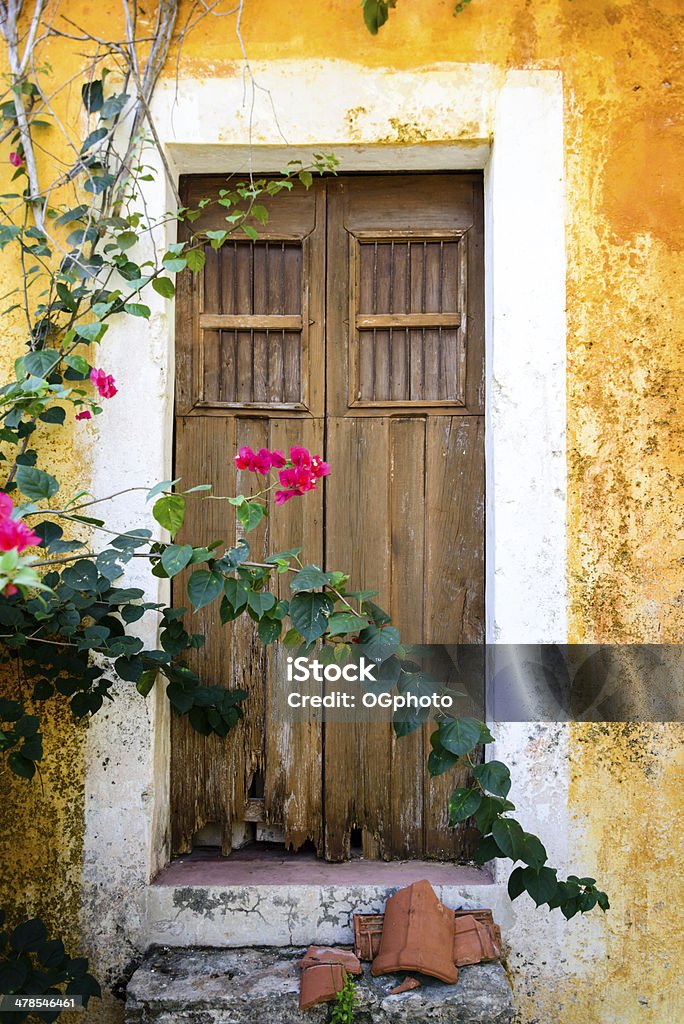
[[398, 378], [274, 339], [453, 580], [341, 374], [290, 342], [211, 339], [244, 297], [210, 776], [228, 366], [293, 780], [228, 278], [381, 339], [407, 518], [474, 340], [431, 291], [362, 293], [312, 371], [358, 756], [262, 283], [417, 369]]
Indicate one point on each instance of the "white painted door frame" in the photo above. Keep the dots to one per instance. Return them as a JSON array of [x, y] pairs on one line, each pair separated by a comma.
[[511, 126]]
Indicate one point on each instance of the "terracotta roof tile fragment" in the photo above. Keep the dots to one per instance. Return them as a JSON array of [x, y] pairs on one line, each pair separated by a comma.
[[417, 935], [320, 984], [407, 985], [367, 932], [474, 941], [316, 955]]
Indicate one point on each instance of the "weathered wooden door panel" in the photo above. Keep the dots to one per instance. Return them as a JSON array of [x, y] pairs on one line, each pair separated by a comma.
[[212, 778], [250, 368], [405, 507], [371, 286]]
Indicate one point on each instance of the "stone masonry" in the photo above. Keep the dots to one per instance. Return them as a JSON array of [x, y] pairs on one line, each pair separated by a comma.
[[255, 985]]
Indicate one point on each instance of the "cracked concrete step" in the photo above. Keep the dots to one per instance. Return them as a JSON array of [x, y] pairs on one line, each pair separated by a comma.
[[252, 985]]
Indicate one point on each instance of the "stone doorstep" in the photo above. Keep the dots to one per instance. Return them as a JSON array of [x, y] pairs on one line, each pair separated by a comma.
[[223, 915], [253, 985]]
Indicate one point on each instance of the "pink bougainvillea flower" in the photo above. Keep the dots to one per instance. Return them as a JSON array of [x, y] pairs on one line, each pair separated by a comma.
[[16, 535], [254, 462], [297, 474], [244, 457], [85, 415], [319, 467], [6, 505], [278, 460], [300, 456], [104, 382], [16, 159], [262, 461], [297, 479]]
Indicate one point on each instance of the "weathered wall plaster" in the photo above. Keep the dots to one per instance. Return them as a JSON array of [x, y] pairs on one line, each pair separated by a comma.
[[611, 811]]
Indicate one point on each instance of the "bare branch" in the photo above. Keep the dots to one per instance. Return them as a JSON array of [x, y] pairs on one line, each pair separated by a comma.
[[9, 16]]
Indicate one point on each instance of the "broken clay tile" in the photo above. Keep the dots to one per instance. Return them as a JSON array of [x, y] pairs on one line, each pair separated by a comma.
[[474, 941], [331, 955], [483, 914], [407, 985], [320, 984], [417, 935], [367, 932]]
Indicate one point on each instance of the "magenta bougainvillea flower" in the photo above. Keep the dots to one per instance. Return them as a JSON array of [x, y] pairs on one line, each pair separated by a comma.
[[14, 534], [254, 462], [319, 467], [104, 382], [16, 159], [300, 456], [278, 460], [297, 473], [85, 415]]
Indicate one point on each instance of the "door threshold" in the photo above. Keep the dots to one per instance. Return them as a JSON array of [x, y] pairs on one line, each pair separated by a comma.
[[271, 898], [277, 867]]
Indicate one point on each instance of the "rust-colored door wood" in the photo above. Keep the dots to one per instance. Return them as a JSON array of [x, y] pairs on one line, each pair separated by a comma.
[[354, 325]]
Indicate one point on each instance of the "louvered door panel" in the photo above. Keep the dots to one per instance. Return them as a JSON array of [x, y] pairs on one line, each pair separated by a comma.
[[252, 334], [408, 317], [252, 325]]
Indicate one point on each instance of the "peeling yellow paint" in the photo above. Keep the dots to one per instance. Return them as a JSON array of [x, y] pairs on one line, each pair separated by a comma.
[[621, 64], [41, 826], [627, 795]]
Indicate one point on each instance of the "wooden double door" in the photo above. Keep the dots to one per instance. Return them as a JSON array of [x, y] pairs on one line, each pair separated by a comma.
[[353, 326]]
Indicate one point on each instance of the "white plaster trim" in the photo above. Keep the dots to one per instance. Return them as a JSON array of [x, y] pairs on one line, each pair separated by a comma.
[[510, 124]]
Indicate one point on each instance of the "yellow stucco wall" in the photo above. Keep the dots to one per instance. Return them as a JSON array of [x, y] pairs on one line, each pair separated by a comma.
[[620, 66]]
